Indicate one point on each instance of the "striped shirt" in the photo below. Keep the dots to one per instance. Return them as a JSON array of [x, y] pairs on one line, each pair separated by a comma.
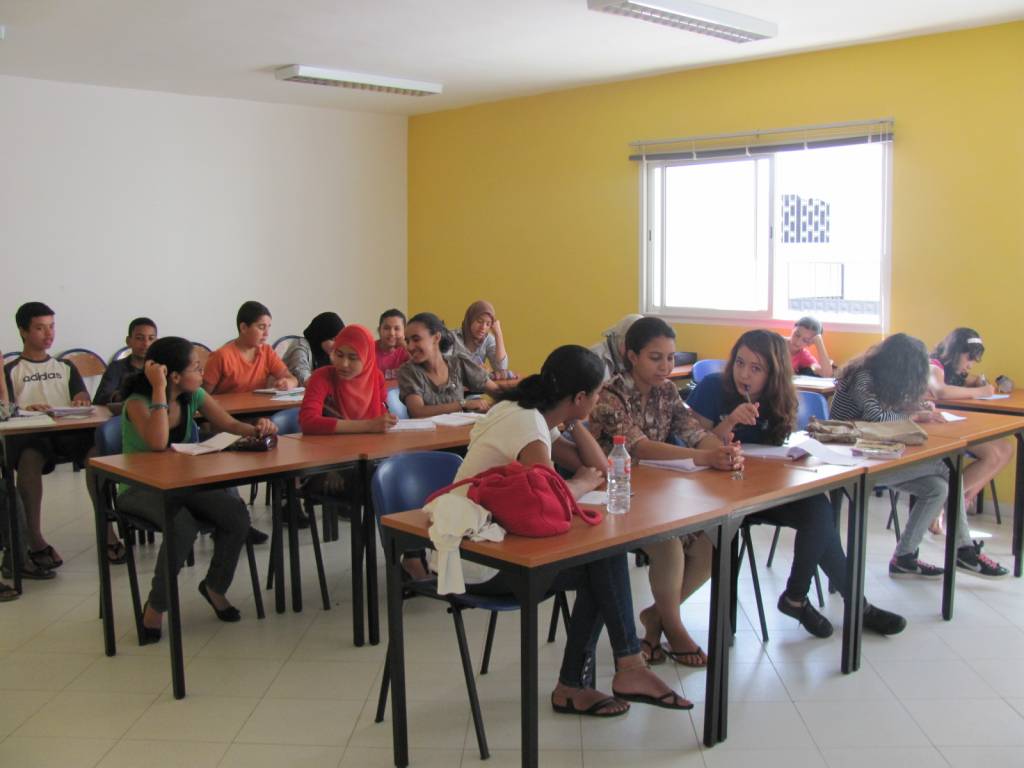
[[855, 400]]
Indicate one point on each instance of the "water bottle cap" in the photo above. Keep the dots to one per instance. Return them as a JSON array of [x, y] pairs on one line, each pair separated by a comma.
[[619, 440]]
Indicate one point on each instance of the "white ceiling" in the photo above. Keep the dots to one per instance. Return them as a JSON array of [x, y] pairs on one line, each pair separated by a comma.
[[482, 50]]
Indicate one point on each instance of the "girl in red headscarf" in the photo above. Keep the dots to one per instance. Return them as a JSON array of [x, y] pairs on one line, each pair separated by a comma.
[[348, 395]]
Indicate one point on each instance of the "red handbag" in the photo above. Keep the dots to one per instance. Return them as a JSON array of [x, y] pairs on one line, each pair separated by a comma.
[[527, 501]]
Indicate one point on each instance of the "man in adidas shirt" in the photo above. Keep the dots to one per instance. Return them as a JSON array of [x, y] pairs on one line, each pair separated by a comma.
[[36, 381]]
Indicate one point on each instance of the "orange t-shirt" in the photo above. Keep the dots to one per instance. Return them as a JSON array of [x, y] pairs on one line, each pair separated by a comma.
[[227, 371]]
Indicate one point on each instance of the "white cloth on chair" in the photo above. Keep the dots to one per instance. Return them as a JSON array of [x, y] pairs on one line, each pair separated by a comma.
[[453, 518]]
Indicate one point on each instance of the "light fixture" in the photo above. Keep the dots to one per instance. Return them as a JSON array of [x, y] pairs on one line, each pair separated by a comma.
[[300, 73], [691, 16]]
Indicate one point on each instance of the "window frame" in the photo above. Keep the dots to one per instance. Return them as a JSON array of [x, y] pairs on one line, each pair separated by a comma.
[[649, 259]]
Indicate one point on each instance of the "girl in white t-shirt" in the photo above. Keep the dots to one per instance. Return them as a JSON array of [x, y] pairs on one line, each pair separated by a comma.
[[522, 427]]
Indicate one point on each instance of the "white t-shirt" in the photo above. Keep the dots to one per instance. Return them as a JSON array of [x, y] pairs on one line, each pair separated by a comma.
[[51, 382], [495, 441]]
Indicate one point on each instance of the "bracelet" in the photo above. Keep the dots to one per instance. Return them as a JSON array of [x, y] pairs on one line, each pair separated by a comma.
[[158, 406]]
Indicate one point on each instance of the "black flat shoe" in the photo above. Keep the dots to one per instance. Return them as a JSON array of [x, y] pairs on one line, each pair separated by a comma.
[[808, 617], [229, 614], [150, 636], [257, 537]]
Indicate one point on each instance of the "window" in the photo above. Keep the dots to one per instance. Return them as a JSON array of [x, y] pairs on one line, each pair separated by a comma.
[[770, 231]]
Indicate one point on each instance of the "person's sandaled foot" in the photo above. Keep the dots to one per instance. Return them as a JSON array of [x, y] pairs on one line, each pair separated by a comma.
[[117, 554], [694, 658], [46, 558], [8, 593], [638, 684], [586, 701], [653, 654]]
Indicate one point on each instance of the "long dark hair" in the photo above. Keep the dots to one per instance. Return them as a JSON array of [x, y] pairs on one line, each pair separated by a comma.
[[568, 370], [778, 401], [959, 341], [434, 324], [324, 326], [899, 371], [175, 353]]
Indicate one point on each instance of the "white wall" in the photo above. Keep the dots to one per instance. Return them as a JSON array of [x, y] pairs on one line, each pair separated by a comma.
[[116, 203]]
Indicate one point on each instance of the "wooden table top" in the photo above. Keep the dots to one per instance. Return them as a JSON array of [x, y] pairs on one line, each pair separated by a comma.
[[249, 402], [168, 470], [935, 447], [1014, 404], [681, 372], [663, 501], [100, 415], [977, 426], [383, 444]]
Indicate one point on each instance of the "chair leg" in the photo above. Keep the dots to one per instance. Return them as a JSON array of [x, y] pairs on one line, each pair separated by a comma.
[[254, 572], [150, 537], [734, 597], [979, 505], [326, 598], [775, 541], [894, 517], [563, 602], [253, 492], [382, 697], [817, 586], [133, 583], [553, 626], [190, 561], [757, 582], [492, 624], [467, 669], [995, 503]]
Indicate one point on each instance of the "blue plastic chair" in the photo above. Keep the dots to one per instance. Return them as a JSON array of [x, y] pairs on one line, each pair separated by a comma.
[[109, 443], [703, 368], [395, 404], [404, 482], [810, 404]]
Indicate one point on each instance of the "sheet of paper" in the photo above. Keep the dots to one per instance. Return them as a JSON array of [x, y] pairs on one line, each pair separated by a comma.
[[947, 416], [285, 397], [273, 391], [27, 419], [675, 465], [993, 397], [413, 425], [456, 419], [826, 454], [216, 443], [594, 497], [768, 451], [813, 382]]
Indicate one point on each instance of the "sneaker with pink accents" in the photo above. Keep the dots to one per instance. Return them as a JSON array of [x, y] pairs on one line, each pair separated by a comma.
[[969, 558]]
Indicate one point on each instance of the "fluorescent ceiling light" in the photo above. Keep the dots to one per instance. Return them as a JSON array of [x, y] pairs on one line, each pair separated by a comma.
[[300, 73], [691, 16]]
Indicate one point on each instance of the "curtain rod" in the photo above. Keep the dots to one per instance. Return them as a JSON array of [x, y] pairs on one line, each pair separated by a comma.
[[768, 132]]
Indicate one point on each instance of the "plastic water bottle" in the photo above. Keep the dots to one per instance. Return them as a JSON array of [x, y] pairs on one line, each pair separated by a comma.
[[619, 470]]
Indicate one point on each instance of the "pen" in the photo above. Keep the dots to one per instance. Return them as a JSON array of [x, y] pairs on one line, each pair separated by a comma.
[[803, 469]]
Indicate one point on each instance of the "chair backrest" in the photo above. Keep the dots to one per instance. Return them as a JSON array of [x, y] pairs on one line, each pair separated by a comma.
[[86, 361], [122, 352], [810, 404], [10, 355], [202, 352], [405, 480], [704, 367], [282, 344], [395, 404], [286, 421], [108, 437]]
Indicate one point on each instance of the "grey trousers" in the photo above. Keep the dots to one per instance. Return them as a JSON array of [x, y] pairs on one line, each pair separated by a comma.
[[929, 485], [222, 508]]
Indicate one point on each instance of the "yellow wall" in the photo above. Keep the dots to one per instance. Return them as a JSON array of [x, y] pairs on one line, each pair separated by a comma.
[[533, 204]]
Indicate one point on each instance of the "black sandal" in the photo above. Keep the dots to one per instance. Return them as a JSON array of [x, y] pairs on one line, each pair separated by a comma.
[[117, 553], [8, 593], [653, 654], [667, 700], [594, 710], [46, 558]]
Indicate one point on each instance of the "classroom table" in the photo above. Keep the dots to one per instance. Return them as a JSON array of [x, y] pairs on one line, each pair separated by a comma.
[[89, 423], [171, 474], [665, 504], [680, 373], [250, 403], [981, 426]]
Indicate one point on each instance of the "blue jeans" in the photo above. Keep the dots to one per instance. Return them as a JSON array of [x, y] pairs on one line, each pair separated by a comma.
[[603, 599]]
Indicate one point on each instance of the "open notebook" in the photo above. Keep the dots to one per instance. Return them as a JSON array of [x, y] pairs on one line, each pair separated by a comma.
[[798, 447]]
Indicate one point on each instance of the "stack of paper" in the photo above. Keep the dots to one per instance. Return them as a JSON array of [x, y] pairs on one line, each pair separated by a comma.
[[288, 397], [674, 465], [813, 382], [275, 391], [797, 449], [78, 411], [413, 425], [216, 443]]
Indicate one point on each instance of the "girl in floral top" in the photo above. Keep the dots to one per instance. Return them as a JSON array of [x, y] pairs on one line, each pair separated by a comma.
[[645, 406]]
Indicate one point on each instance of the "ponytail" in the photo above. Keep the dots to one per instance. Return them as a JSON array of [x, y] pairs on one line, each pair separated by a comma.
[[569, 370]]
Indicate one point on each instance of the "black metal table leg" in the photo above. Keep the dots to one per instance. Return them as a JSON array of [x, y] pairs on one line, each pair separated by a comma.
[[357, 527], [291, 509], [370, 548], [720, 632], [856, 545], [1018, 510], [396, 653], [106, 599], [277, 547], [14, 552], [954, 502], [173, 606]]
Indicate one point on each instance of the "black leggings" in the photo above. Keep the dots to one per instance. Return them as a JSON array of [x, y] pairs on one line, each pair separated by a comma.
[[817, 543]]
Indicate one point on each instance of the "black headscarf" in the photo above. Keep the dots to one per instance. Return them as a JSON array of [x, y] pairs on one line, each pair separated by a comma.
[[324, 326]]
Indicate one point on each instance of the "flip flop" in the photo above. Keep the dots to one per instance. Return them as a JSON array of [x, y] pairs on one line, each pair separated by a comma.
[[679, 657], [594, 710], [7, 593], [653, 654], [117, 553], [668, 700], [46, 558]]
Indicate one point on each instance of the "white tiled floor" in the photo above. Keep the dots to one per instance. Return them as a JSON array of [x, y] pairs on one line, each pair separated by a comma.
[[292, 690]]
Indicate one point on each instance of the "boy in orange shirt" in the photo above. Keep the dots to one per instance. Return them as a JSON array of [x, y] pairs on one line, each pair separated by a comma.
[[248, 362]]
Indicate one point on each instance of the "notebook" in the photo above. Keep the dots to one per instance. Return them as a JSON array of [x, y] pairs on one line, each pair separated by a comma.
[[673, 465], [216, 443], [798, 448], [413, 425]]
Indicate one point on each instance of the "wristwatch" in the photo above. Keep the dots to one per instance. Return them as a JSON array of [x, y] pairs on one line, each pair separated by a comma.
[[462, 404]]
